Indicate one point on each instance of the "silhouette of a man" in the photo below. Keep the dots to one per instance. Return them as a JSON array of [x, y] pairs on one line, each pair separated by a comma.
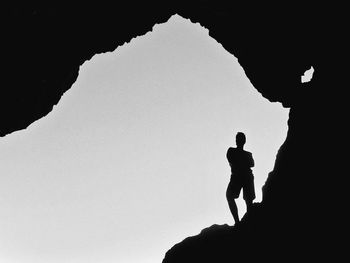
[[241, 162]]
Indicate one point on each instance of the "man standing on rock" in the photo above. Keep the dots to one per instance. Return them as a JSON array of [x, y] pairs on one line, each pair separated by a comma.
[[241, 162]]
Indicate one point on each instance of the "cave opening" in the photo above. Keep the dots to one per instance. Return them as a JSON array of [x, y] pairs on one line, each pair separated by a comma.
[[134, 153]]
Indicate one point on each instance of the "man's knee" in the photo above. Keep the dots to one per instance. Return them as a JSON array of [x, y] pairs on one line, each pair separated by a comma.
[[231, 196], [248, 201]]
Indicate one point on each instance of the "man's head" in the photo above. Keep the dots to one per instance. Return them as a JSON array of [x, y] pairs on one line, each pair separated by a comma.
[[240, 139]]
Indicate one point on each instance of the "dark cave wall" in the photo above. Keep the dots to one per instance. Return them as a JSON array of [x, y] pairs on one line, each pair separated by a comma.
[[45, 44]]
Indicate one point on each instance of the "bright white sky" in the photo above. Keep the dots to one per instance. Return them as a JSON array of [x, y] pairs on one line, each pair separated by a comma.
[[133, 158]]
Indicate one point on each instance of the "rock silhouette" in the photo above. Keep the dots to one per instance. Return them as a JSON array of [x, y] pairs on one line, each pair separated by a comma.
[[303, 213], [294, 221]]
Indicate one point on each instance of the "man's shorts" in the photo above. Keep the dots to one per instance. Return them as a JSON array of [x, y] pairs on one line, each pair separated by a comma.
[[245, 181]]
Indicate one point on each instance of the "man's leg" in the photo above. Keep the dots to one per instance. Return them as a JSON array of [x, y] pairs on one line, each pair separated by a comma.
[[249, 193], [232, 193], [233, 209], [249, 204]]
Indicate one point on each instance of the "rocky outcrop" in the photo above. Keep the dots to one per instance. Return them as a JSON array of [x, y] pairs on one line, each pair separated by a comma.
[[302, 216]]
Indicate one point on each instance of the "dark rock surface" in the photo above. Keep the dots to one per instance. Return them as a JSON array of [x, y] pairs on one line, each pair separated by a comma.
[[303, 213]]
